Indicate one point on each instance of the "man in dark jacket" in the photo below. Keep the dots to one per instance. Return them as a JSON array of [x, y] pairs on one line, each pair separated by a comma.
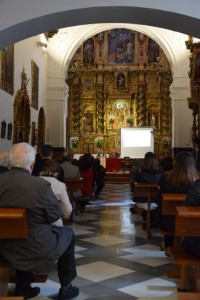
[[45, 153], [46, 244], [4, 161]]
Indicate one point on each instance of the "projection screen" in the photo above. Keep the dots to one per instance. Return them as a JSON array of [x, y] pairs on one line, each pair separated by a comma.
[[136, 141]]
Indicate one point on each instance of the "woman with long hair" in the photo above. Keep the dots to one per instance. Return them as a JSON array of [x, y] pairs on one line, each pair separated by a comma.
[[178, 180]]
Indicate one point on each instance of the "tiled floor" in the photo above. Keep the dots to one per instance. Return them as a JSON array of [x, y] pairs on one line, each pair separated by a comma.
[[114, 258]]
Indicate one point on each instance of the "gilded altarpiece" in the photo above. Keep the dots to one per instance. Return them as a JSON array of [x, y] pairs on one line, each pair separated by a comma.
[[194, 100], [118, 78]]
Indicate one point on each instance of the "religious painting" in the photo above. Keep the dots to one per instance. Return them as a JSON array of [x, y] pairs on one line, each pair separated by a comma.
[[9, 133], [120, 112], [33, 134], [88, 121], [7, 69], [153, 51], [121, 46], [3, 129], [88, 51], [35, 84]]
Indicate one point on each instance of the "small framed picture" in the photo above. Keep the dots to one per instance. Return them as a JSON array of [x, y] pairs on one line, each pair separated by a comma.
[[34, 84], [7, 69], [3, 129], [9, 132]]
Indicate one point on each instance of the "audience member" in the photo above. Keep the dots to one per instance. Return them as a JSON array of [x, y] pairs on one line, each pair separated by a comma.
[[150, 171], [99, 173], [46, 245], [136, 166], [4, 161], [178, 180], [45, 153], [70, 171], [86, 171], [167, 161], [49, 172], [191, 244]]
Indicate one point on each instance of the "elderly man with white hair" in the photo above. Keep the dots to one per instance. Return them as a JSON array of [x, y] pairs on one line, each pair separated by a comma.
[[47, 245]]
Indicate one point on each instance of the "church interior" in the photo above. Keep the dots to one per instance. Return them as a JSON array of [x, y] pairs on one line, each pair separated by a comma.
[[72, 77]]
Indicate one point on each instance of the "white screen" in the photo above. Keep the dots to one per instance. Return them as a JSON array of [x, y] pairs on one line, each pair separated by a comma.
[[135, 142]]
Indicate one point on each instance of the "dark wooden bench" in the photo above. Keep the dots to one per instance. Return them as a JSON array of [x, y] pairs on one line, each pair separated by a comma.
[[188, 296], [169, 203], [13, 225], [73, 184], [149, 191], [186, 225]]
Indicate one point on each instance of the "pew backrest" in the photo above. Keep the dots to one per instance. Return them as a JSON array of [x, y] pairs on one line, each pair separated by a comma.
[[187, 221], [170, 201], [13, 223]]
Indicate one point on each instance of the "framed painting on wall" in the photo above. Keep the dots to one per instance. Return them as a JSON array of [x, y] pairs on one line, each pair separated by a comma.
[[3, 129], [9, 133], [88, 85], [34, 84], [121, 46], [7, 69]]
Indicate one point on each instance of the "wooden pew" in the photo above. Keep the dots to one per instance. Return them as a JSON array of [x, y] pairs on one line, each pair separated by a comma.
[[169, 203], [13, 225], [186, 225], [146, 190], [73, 184], [11, 298], [188, 296]]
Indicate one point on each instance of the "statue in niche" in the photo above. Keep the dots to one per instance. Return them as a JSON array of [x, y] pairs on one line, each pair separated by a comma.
[[153, 120], [22, 112], [121, 80], [24, 80], [88, 52], [120, 109], [88, 121], [163, 70]]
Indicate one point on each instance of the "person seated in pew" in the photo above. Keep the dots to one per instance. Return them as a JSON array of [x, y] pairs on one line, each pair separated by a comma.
[[45, 153], [70, 170], [4, 161], [99, 174], [178, 180], [47, 245], [50, 171], [149, 171], [191, 244], [86, 171]]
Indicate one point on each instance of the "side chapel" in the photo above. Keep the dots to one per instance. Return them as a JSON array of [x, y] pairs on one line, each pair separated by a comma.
[[118, 78]]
